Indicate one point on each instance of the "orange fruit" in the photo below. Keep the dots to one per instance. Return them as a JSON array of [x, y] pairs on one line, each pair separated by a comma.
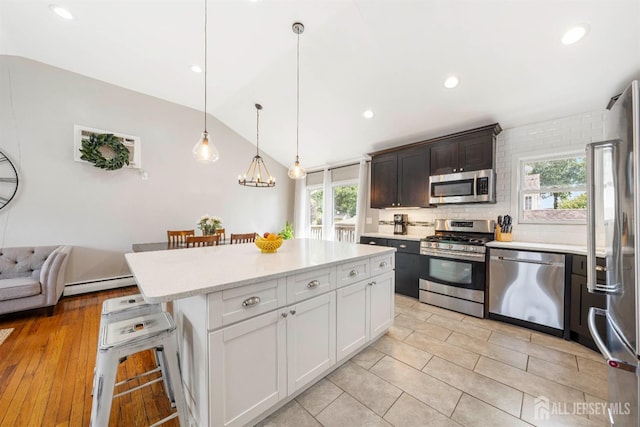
[[272, 237]]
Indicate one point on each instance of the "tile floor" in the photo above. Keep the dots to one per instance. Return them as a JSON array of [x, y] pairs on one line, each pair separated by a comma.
[[436, 367]]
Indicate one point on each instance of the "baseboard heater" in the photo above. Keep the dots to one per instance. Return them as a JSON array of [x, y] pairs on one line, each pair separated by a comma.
[[77, 288]]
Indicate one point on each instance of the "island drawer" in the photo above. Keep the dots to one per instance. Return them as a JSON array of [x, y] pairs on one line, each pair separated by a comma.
[[383, 263], [352, 272], [232, 305], [309, 284]]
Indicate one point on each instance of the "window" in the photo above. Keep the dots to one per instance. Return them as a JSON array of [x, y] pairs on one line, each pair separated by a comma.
[[334, 218], [345, 197], [316, 200], [553, 190]]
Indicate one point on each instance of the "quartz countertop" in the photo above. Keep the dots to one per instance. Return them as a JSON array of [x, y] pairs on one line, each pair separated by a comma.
[[164, 276], [545, 247], [415, 237]]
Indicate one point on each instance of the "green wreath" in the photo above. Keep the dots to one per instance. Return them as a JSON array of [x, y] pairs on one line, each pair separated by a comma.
[[91, 151]]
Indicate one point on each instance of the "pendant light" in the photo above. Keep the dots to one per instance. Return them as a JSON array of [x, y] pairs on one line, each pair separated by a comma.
[[257, 171], [204, 151], [296, 171]]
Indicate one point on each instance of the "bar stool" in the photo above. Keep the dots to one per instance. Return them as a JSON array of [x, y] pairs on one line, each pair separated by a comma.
[[120, 339], [116, 309]]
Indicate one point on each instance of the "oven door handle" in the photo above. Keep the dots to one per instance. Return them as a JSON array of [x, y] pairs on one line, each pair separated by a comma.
[[464, 256]]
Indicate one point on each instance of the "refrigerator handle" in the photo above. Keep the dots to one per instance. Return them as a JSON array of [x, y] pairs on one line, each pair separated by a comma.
[[592, 285], [611, 361]]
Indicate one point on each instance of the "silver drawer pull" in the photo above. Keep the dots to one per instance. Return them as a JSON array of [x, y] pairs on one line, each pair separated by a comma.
[[353, 273], [371, 283], [601, 268], [372, 243], [284, 315], [251, 301], [313, 284], [383, 264], [293, 312], [403, 246]]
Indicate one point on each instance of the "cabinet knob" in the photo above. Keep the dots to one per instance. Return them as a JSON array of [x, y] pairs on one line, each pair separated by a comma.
[[393, 204], [284, 314], [383, 264], [371, 283], [251, 301], [461, 169], [292, 312], [455, 170], [398, 203], [353, 273]]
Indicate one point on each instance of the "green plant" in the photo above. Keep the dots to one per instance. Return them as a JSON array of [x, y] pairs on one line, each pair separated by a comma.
[[91, 151], [287, 231]]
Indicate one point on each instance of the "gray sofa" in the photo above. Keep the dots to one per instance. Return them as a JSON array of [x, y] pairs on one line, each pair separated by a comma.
[[32, 277]]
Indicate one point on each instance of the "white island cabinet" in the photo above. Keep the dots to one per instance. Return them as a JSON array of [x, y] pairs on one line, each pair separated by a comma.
[[258, 329]]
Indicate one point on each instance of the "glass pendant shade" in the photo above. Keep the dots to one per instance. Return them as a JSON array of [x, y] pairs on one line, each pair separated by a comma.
[[296, 171], [204, 151]]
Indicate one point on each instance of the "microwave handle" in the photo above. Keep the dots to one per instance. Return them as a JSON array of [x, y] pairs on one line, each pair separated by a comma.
[[475, 185]]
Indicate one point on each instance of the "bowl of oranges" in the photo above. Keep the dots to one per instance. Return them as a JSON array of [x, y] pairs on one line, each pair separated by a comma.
[[268, 242]]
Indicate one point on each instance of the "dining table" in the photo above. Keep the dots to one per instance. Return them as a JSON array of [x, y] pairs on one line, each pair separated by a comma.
[[161, 246]]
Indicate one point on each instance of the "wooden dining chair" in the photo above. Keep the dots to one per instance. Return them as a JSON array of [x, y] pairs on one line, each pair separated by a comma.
[[242, 238], [222, 233], [176, 237], [199, 241]]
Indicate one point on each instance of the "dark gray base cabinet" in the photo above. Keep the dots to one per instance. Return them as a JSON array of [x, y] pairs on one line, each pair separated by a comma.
[[407, 263], [582, 300]]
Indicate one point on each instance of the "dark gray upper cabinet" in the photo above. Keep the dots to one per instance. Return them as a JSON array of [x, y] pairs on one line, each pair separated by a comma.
[[400, 179], [474, 150]]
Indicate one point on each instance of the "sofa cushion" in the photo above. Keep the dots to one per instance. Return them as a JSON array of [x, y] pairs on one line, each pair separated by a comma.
[[23, 262], [19, 287]]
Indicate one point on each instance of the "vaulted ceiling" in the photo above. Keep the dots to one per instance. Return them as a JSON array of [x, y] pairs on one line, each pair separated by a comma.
[[390, 56]]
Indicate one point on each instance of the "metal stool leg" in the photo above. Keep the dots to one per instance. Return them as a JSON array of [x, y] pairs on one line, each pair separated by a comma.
[[105, 379], [171, 354], [161, 361]]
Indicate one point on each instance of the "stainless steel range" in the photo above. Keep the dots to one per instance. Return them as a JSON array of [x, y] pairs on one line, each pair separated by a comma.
[[452, 268]]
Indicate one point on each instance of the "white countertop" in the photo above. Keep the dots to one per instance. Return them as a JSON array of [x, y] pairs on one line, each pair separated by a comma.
[[164, 276], [546, 247], [415, 237]]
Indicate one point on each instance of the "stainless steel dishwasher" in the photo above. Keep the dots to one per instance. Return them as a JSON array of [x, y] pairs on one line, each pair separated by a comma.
[[527, 286]]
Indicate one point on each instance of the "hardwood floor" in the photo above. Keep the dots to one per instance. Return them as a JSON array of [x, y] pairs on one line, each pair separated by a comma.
[[46, 369]]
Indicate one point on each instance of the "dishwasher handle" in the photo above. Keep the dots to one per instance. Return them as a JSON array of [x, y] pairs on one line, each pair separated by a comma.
[[527, 261]]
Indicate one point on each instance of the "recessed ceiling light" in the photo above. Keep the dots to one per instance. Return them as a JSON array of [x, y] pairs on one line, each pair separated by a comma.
[[367, 114], [451, 82], [575, 34], [60, 11], [196, 69]]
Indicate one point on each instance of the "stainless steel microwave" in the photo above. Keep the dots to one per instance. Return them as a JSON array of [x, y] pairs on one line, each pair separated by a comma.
[[464, 187]]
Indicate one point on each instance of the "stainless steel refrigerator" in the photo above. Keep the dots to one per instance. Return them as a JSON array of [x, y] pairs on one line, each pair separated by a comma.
[[613, 214]]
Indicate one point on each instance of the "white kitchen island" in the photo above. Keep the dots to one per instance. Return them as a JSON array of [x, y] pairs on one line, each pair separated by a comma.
[[258, 329]]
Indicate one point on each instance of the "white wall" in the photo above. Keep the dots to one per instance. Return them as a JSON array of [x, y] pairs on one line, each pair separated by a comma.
[[101, 213], [554, 136]]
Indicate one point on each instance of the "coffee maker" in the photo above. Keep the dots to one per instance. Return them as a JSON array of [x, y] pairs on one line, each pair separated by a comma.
[[400, 222]]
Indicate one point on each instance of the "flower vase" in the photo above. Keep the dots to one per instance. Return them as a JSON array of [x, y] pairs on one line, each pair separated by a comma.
[[208, 231]]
